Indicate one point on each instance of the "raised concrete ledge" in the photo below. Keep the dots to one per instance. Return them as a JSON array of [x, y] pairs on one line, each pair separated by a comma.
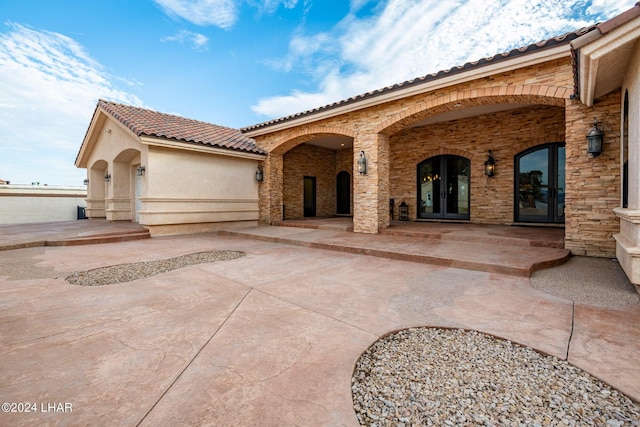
[[628, 243]]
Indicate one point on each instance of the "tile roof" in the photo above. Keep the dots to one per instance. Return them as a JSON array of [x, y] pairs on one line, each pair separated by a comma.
[[545, 44], [143, 122]]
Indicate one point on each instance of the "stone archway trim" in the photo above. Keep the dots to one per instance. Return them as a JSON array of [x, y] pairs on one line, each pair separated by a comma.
[[290, 140], [541, 94]]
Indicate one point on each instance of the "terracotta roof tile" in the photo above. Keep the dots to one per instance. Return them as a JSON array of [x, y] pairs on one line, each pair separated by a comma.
[[555, 41], [143, 122]]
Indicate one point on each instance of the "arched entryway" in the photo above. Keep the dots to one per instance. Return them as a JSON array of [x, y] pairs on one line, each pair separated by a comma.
[[343, 193], [444, 187], [540, 184]]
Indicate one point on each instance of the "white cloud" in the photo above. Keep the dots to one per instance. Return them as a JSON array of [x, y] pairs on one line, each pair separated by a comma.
[[199, 41], [220, 13], [49, 90], [269, 7], [411, 38]]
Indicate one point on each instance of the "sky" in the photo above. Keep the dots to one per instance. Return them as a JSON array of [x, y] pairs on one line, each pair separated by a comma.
[[233, 62]]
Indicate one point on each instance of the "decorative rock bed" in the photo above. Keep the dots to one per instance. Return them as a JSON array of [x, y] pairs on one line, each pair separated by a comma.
[[139, 270], [449, 377]]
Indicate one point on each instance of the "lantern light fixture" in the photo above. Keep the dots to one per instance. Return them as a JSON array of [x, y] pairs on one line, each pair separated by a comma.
[[107, 177], [86, 181], [141, 170], [403, 211], [259, 174], [594, 140], [490, 165], [362, 164]]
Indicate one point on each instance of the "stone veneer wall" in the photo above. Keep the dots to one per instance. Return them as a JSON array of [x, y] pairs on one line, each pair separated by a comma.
[[309, 160], [593, 184], [505, 133]]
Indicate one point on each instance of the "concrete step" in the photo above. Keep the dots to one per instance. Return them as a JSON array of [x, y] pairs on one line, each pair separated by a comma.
[[100, 238], [515, 260]]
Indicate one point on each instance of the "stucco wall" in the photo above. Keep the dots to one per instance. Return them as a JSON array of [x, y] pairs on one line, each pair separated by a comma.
[[22, 204], [184, 187], [631, 84], [628, 240]]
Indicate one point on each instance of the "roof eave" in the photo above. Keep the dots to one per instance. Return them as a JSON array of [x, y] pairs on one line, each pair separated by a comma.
[[477, 72], [88, 140], [199, 147], [592, 47]]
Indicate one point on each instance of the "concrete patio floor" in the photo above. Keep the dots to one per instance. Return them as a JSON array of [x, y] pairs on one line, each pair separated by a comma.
[[267, 339]]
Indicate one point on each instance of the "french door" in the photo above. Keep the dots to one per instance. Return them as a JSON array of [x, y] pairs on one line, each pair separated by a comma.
[[540, 184], [443, 187]]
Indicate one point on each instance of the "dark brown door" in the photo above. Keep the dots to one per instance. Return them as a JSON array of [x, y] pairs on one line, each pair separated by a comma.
[[309, 196], [343, 193]]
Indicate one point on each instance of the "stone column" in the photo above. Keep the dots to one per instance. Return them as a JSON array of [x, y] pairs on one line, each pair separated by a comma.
[[371, 190], [593, 184], [271, 190]]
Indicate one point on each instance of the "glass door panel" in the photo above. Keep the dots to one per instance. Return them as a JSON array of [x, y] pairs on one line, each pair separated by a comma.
[[559, 216], [430, 179], [540, 184], [533, 186], [443, 188], [457, 186]]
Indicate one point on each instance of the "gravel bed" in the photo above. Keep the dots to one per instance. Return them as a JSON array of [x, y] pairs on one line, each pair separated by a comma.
[[449, 377], [139, 270]]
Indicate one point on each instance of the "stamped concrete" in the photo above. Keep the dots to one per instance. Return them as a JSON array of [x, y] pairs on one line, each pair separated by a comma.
[[267, 339]]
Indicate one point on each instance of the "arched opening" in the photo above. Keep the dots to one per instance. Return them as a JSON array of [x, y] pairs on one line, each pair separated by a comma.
[[310, 169], [444, 187], [540, 184]]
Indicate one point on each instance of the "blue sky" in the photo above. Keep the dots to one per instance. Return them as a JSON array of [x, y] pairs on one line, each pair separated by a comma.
[[233, 62]]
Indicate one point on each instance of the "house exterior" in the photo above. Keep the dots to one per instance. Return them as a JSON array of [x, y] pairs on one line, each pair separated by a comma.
[[426, 142], [168, 173], [497, 141]]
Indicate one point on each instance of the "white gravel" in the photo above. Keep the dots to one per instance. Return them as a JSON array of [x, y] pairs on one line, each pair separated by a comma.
[[449, 377], [127, 272]]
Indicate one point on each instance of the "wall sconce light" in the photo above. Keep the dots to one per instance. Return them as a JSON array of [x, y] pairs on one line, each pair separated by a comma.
[[362, 164], [594, 140], [259, 174], [107, 177], [490, 165], [141, 170], [107, 131], [86, 181]]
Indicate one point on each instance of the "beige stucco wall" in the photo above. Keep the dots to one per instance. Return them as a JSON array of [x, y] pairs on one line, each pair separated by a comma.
[[23, 204], [185, 188], [182, 187], [628, 239], [118, 152]]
